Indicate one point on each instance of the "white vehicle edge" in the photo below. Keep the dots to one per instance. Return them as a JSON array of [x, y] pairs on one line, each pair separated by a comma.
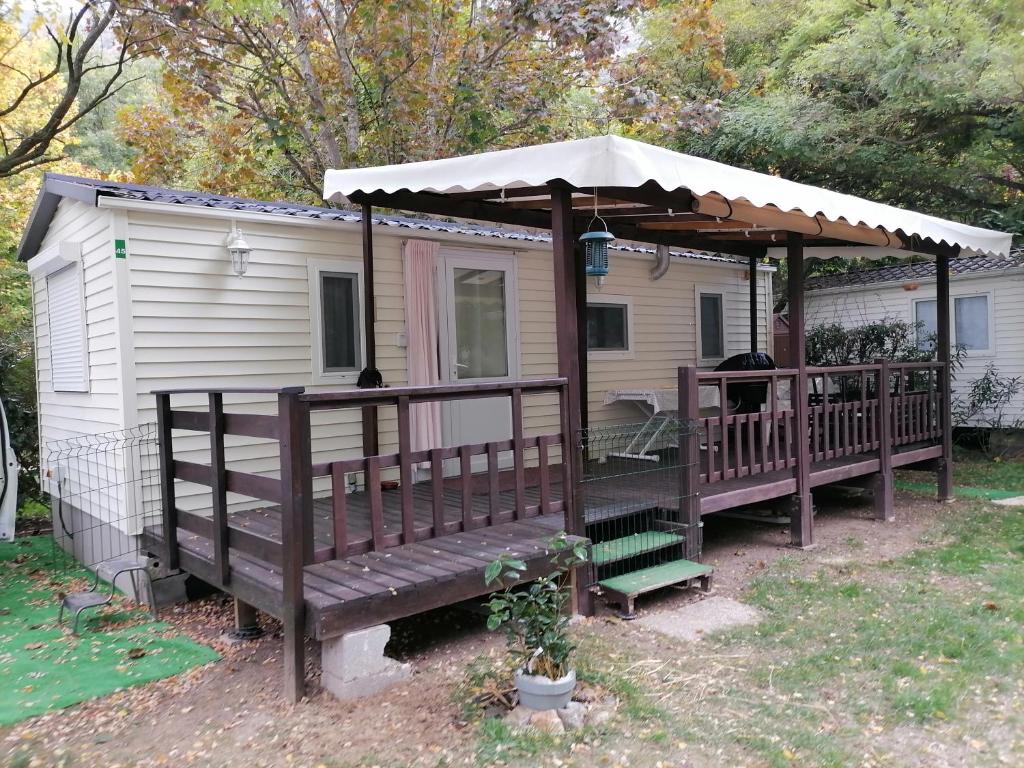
[[8, 480]]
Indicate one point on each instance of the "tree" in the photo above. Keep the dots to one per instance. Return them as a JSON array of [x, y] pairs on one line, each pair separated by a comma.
[[335, 83], [43, 73], [918, 103]]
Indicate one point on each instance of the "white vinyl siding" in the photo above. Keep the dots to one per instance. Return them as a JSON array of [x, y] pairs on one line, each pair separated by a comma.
[[665, 326], [65, 314], [193, 323], [97, 406], [859, 305]]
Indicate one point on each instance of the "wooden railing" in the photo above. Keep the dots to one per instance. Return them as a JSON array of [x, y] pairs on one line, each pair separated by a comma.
[[918, 402], [847, 410], [744, 444], [292, 544], [501, 507], [844, 410]]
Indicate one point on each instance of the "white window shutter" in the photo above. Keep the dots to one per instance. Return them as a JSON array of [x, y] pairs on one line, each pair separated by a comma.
[[69, 357]]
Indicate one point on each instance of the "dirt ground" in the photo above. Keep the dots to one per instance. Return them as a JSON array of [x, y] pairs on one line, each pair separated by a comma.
[[230, 712]]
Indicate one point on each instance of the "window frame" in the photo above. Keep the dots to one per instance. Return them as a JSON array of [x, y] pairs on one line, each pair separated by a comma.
[[990, 320], [913, 318], [316, 268], [612, 300], [82, 385], [723, 294], [990, 305]]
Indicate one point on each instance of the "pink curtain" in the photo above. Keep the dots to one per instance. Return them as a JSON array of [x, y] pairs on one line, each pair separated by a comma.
[[421, 335]]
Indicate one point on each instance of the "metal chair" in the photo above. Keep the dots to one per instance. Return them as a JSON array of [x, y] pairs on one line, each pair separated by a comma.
[[76, 602]]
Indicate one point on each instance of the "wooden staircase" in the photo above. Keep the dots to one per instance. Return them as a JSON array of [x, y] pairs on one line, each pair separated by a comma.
[[638, 550]]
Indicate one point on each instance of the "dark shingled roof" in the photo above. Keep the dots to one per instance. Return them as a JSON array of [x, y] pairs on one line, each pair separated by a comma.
[[922, 270], [57, 186]]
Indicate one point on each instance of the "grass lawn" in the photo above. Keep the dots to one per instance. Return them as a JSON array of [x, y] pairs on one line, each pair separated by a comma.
[[975, 476], [973, 469], [918, 660], [43, 668]]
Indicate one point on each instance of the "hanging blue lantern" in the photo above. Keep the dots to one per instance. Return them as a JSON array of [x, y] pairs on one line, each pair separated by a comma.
[[595, 245]]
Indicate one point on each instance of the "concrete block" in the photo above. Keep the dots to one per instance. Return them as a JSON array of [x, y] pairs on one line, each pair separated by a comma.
[[354, 664], [170, 590]]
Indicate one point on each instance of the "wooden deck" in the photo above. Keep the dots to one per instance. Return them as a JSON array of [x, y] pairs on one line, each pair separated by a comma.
[[326, 565], [379, 586], [364, 590]]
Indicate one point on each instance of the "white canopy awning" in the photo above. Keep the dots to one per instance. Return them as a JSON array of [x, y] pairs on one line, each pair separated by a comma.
[[717, 189]]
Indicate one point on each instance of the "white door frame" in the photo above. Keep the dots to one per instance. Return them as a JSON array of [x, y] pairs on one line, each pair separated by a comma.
[[450, 259]]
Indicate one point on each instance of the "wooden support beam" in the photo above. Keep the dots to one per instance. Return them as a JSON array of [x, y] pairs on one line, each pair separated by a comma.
[[792, 221], [219, 489], [689, 462], [169, 506], [371, 434], [296, 533], [444, 205], [942, 314], [882, 484], [651, 193], [563, 241], [581, 337], [498, 194], [802, 514], [708, 226]]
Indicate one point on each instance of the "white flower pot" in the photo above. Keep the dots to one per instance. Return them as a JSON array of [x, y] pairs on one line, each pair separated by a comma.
[[541, 693]]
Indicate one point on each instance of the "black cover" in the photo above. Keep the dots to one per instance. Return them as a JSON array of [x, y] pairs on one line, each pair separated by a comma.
[[747, 397]]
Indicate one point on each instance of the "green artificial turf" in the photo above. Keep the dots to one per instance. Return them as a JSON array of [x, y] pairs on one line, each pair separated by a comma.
[[989, 494], [43, 668]]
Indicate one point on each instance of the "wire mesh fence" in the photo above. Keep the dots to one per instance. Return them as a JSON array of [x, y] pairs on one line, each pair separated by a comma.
[[633, 504], [104, 488]]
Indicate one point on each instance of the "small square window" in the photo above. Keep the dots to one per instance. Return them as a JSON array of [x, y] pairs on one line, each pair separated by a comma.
[[339, 303], [607, 327], [712, 326]]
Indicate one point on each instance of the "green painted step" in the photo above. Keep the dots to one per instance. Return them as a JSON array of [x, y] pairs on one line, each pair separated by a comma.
[[628, 546], [656, 577]]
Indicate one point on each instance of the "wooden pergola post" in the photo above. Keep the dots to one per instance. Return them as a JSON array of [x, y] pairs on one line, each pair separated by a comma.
[[371, 440], [567, 333], [945, 464], [296, 533], [801, 517]]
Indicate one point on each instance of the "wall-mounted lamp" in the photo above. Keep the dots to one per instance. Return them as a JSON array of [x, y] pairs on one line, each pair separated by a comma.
[[239, 249]]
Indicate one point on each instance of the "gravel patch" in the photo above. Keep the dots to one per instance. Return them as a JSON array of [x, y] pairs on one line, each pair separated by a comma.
[[695, 620]]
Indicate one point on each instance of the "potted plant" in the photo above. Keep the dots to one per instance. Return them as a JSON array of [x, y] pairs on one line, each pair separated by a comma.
[[536, 625]]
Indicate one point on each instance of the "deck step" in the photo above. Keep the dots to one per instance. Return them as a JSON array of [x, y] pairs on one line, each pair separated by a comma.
[[614, 550], [626, 587]]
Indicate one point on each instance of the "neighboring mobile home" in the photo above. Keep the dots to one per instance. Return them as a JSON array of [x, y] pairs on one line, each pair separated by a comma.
[[987, 297], [135, 291]]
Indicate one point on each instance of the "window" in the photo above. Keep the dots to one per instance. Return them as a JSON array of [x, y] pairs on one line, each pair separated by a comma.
[[610, 327], [927, 324], [69, 364], [711, 325], [336, 320], [970, 322]]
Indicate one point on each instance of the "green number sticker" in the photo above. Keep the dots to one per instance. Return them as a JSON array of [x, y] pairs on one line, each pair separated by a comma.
[[120, 250]]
